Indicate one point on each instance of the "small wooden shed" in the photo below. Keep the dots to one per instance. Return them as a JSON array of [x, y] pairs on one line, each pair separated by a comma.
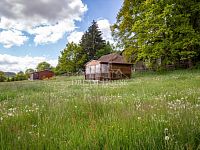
[[40, 75], [108, 67]]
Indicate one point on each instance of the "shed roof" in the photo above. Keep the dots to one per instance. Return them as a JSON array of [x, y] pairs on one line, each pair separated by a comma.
[[42, 71], [112, 58], [92, 63]]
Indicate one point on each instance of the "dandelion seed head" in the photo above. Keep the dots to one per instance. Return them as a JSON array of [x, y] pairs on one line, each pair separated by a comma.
[[10, 114], [166, 138]]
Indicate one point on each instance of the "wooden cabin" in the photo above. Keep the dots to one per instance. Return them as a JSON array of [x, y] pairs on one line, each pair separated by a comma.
[[40, 75], [108, 67]]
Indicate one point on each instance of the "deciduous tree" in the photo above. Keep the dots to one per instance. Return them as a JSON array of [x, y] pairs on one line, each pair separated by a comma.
[[43, 66], [72, 59], [151, 29]]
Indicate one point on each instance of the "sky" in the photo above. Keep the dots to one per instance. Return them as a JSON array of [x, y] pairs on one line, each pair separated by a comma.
[[35, 31]]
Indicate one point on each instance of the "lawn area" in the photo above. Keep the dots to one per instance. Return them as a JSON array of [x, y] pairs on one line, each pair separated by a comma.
[[149, 111]]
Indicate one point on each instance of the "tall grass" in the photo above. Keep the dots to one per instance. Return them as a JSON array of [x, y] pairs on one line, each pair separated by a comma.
[[150, 111]]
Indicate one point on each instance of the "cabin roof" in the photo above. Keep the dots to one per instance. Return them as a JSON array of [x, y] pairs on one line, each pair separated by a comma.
[[42, 71], [92, 63], [112, 58]]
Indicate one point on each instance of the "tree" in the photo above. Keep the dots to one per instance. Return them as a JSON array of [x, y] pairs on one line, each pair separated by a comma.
[[8, 79], [107, 49], [43, 66], [21, 76], [168, 30], [72, 59], [2, 76], [29, 71], [92, 41]]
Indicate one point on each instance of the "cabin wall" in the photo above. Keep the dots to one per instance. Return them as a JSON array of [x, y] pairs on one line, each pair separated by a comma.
[[96, 72], [107, 71], [34, 76], [41, 75], [120, 71], [44, 74]]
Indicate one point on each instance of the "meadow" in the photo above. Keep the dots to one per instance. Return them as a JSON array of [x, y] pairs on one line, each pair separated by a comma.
[[150, 111]]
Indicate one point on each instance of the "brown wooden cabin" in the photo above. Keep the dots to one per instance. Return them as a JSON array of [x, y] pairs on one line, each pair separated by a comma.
[[108, 67], [40, 75]]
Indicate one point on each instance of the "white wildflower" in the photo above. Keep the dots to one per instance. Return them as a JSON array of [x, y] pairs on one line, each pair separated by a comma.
[[166, 138], [10, 114], [34, 126]]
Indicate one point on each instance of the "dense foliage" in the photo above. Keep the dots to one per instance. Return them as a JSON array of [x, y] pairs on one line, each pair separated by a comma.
[[72, 59], [43, 66], [29, 71], [2, 76], [149, 30], [92, 41], [17, 77]]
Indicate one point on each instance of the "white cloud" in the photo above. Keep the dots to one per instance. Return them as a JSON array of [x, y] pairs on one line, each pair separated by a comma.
[[75, 37], [16, 64], [52, 33], [46, 20], [42, 11], [12, 37], [8, 24], [104, 26]]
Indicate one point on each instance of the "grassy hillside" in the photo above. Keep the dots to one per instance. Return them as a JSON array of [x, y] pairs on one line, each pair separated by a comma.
[[150, 111]]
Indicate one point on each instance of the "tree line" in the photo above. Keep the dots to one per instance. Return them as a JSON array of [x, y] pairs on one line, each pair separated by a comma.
[[24, 75], [164, 30]]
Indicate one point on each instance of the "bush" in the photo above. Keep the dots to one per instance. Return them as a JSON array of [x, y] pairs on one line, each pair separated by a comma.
[[2, 77], [197, 66]]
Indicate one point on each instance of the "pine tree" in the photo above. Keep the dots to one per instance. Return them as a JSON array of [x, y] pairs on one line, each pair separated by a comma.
[[92, 41]]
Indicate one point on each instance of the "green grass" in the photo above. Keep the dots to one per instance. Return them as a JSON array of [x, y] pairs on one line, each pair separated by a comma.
[[150, 111]]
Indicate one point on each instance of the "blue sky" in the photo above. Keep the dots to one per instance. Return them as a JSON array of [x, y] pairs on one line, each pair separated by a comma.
[[31, 32]]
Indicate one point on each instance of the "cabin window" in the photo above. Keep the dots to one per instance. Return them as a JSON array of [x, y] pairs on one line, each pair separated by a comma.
[[98, 68], [92, 69], [105, 68], [88, 70]]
